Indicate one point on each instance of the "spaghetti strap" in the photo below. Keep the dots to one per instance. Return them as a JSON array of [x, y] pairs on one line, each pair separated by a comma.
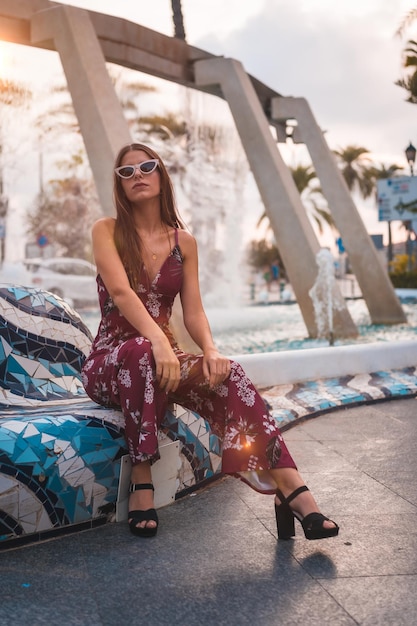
[[176, 236]]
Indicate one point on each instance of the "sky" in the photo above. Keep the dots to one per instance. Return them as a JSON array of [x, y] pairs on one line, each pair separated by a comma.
[[343, 56]]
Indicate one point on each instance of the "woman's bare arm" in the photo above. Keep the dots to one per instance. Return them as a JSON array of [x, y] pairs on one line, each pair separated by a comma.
[[216, 366]]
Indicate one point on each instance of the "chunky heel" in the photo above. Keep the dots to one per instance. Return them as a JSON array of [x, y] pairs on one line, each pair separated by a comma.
[[312, 523], [285, 520]]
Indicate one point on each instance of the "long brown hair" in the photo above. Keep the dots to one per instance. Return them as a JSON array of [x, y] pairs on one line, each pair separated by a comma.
[[127, 240]]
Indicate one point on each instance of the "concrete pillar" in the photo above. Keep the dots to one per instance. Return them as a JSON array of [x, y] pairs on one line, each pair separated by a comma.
[[378, 292], [294, 234], [103, 126]]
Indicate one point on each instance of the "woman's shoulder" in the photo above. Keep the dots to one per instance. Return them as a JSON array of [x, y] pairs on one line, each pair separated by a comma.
[[104, 225], [186, 242]]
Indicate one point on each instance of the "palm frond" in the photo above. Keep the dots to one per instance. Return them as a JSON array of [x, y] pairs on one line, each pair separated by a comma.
[[409, 18], [410, 61]]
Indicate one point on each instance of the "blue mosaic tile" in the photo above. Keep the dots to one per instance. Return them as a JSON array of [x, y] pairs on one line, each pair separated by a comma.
[[307, 397]]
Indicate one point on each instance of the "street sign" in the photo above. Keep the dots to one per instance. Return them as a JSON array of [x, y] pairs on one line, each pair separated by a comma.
[[42, 240], [397, 198]]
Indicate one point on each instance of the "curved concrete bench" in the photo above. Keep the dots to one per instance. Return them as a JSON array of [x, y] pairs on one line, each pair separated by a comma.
[[63, 462]]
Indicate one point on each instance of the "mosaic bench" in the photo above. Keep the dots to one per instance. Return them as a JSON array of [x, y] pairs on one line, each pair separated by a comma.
[[63, 462]]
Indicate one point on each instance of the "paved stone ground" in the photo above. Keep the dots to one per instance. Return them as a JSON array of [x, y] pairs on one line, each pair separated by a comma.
[[216, 559]]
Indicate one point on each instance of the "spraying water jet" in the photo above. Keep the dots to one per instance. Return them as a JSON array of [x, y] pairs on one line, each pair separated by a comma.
[[325, 296]]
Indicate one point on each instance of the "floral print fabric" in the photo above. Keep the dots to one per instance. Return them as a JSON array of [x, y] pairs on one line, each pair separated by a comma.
[[120, 373]]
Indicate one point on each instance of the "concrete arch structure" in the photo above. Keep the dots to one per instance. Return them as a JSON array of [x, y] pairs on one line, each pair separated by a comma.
[[85, 40]]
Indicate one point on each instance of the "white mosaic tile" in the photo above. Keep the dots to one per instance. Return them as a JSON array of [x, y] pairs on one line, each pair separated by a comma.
[[69, 468], [45, 438], [98, 498], [29, 505], [9, 496], [14, 426], [278, 402], [82, 476], [216, 461], [30, 431], [204, 439], [48, 328], [361, 383], [29, 521], [6, 346], [194, 427], [43, 521], [60, 446]]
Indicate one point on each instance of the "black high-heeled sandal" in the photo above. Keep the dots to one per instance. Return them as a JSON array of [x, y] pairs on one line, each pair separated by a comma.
[[312, 523], [135, 517]]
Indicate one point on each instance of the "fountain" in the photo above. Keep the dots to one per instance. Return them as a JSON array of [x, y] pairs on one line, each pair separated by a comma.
[[326, 298], [213, 207], [61, 456]]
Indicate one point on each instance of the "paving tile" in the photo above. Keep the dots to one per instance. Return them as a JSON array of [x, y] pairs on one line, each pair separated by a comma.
[[216, 559], [376, 599]]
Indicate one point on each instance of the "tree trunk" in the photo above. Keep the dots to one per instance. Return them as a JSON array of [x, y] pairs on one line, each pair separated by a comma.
[[177, 16]]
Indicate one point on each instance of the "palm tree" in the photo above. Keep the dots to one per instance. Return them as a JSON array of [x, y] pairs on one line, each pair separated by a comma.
[[305, 179], [409, 82], [381, 172], [406, 22], [178, 19], [354, 168]]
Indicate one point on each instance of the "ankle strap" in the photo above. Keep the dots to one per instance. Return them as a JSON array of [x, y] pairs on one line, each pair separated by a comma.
[[292, 495], [138, 487]]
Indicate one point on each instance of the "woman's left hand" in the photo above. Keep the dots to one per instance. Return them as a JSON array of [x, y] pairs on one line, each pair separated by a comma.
[[216, 367]]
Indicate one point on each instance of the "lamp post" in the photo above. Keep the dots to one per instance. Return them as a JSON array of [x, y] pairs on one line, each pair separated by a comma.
[[410, 154]]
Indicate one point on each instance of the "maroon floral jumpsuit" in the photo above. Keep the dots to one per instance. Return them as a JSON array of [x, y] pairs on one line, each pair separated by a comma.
[[120, 372]]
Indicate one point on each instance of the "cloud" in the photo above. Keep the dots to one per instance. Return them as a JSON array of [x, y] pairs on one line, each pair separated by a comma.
[[344, 64]]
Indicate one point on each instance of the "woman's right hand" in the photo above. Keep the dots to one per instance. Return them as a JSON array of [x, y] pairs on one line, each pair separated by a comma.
[[167, 365]]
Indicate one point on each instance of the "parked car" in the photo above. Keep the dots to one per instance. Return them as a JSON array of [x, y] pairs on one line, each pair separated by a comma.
[[74, 280]]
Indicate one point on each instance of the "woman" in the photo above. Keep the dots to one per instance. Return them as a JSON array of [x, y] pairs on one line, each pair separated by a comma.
[[145, 257]]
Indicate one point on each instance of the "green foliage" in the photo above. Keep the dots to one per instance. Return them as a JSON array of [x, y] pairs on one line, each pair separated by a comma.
[[400, 263], [262, 253], [409, 80], [403, 271], [354, 165], [409, 83], [65, 212], [382, 172], [306, 181], [409, 18], [404, 280]]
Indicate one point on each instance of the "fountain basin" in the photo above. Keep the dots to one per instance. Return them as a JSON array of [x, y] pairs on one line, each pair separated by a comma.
[[295, 366]]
